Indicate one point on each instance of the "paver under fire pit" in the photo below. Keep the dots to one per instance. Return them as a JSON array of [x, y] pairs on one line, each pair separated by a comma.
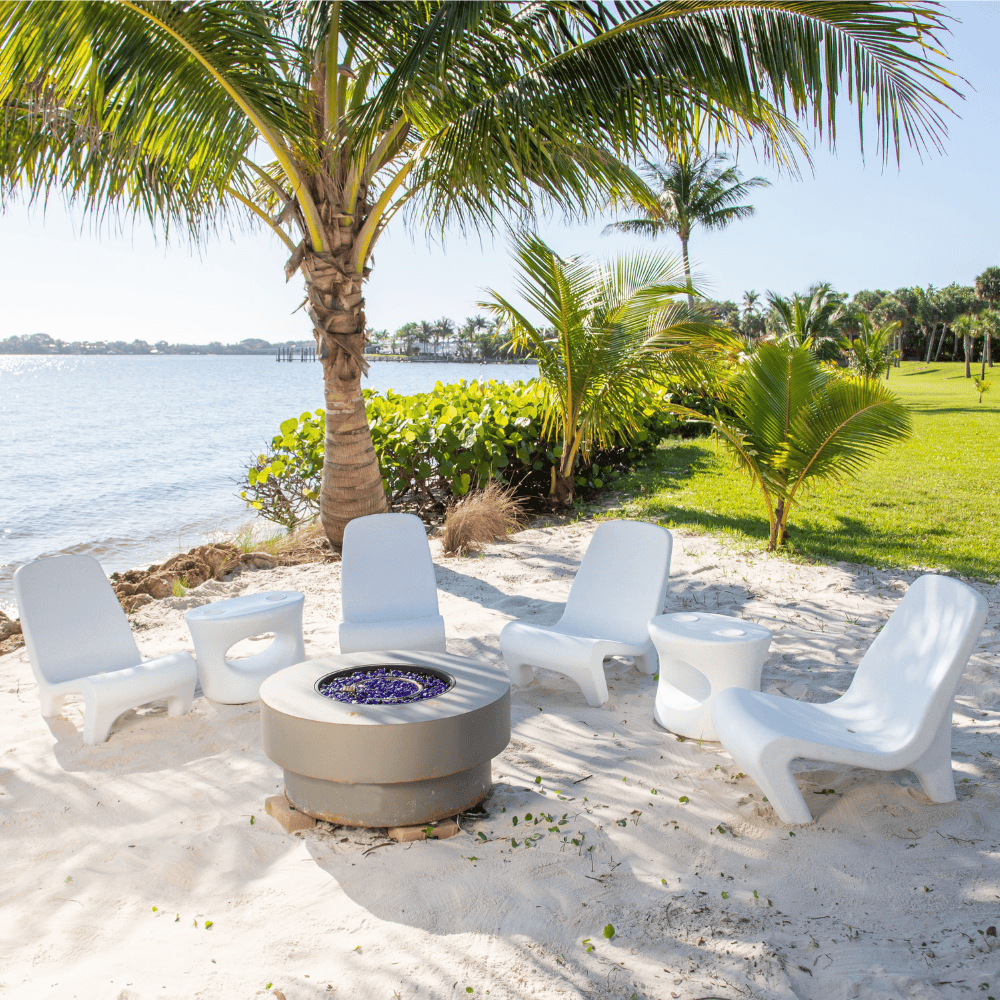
[[390, 738]]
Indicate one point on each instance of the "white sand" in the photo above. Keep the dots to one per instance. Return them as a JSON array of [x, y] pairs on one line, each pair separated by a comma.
[[115, 856]]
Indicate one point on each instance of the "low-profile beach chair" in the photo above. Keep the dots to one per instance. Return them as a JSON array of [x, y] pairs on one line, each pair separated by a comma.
[[388, 589], [621, 584], [896, 714], [79, 642]]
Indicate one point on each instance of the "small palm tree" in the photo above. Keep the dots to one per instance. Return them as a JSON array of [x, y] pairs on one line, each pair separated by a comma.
[[693, 188], [804, 318], [871, 350], [592, 366], [792, 422]]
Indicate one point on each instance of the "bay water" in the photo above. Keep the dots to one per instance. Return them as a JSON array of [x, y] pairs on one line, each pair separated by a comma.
[[134, 458]]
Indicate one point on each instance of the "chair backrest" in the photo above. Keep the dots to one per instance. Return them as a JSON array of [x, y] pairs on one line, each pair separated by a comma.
[[387, 573], [622, 581], [73, 624], [906, 681]]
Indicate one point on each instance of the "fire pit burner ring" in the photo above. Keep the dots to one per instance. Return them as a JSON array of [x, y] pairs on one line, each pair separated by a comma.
[[385, 684]]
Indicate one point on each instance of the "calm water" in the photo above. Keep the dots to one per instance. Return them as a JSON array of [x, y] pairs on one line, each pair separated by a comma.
[[131, 459]]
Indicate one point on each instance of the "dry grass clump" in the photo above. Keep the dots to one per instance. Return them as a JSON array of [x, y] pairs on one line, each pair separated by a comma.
[[484, 516], [303, 540]]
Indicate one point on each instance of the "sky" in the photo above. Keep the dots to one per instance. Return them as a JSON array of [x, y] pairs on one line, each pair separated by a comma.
[[850, 221]]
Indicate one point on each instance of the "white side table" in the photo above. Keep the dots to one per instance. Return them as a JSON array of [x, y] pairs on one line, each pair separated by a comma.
[[216, 627], [700, 654]]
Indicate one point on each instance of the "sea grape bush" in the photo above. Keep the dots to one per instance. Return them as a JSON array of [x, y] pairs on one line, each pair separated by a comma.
[[436, 445]]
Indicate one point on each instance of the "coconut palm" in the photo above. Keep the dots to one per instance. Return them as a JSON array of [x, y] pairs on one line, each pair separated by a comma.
[[596, 320], [693, 188], [326, 121], [791, 422]]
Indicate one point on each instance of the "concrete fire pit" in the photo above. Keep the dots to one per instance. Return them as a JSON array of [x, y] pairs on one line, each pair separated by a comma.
[[421, 754]]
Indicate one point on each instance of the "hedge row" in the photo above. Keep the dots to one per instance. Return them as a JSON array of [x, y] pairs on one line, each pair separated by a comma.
[[440, 444]]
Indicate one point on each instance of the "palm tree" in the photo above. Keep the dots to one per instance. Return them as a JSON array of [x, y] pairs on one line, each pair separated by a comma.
[[965, 326], [692, 188], [325, 120], [988, 288], [871, 350], [804, 319], [592, 366], [791, 422]]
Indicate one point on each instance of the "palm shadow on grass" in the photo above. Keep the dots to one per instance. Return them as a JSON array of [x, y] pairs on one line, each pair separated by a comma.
[[661, 492]]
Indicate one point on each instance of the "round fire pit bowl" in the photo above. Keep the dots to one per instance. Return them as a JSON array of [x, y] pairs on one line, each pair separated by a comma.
[[386, 738]]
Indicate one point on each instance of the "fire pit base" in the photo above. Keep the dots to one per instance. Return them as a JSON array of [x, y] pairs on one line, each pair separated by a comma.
[[386, 764], [405, 803]]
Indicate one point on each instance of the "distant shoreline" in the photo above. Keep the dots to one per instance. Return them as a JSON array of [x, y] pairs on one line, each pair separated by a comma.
[[268, 353]]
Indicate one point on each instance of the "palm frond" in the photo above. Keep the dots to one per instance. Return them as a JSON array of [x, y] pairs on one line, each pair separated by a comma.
[[840, 429]]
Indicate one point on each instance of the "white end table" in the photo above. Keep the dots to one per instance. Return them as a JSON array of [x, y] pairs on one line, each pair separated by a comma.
[[700, 654], [217, 627]]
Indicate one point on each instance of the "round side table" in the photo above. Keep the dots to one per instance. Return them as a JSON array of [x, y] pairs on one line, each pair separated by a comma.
[[700, 654], [218, 626]]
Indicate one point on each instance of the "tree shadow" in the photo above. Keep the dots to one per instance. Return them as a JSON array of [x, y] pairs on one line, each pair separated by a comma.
[[538, 610]]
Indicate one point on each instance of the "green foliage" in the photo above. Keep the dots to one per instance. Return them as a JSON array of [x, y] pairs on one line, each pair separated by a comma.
[[870, 353], [593, 370], [283, 484], [440, 444], [793, 422], [988, 285], [919, 504]]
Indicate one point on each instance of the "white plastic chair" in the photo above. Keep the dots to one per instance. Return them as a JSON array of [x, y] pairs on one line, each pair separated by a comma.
[[388, 588], [621, 584], [79, 642], [896, 714]]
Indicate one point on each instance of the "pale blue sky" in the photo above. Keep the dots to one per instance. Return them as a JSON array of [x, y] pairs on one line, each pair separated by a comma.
[[850, 222]]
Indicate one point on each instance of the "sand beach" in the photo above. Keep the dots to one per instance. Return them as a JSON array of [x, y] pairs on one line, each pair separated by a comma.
[[146, 867]]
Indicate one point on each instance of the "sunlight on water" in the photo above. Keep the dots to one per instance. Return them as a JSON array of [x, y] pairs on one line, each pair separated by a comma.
[[131, 459]]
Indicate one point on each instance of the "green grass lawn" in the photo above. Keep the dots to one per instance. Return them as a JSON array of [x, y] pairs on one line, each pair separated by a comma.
[[932, 501]]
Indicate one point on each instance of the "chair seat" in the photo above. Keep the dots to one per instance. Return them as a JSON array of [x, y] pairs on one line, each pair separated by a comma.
[[818, 730], [409, 633], [138, 685], [558, 645]]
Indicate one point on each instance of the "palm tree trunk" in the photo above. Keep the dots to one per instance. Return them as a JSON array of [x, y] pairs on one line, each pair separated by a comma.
[[965, 347], [352, 480], [986, 349], [944, 330], [777, 527], [687, 266], [930, 344]]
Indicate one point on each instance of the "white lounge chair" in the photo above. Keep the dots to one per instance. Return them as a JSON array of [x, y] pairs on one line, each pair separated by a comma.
[[388, 589], [896, 714], [79, 642], [621, 584]]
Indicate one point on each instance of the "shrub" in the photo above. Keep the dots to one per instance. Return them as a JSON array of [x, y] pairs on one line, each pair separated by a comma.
[[481, 517], [441, 444]]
